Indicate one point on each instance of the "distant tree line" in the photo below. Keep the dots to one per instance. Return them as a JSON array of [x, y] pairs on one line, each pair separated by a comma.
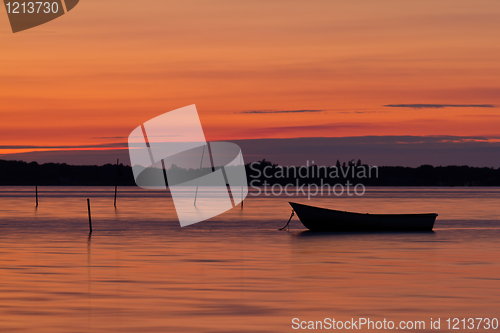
[[21, 173], [424, 175]]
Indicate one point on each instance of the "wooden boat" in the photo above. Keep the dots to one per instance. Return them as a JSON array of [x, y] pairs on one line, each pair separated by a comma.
[[322, 219]]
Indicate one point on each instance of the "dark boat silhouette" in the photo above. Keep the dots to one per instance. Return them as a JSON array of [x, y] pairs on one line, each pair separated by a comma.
[[322, 219]]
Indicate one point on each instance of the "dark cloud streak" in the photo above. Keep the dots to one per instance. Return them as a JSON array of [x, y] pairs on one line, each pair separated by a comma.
[[99, 146], [439, 106], [282, 111], [375, 150]]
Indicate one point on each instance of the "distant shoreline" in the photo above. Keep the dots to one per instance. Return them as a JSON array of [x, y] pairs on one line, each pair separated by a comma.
[[19, 173]]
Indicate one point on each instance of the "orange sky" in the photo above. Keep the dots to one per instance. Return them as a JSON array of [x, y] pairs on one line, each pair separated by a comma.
[[93, 75]]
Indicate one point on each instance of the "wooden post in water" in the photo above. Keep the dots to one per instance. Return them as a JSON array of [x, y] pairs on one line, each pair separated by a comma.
[[245, 180], [201, 164], [90, 218], [36, 184], [116, 182]]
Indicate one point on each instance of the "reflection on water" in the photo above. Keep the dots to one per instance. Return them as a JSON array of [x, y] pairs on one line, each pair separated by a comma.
[[141, 272]]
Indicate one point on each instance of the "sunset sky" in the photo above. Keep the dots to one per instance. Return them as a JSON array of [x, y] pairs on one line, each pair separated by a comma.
[[255, 69]]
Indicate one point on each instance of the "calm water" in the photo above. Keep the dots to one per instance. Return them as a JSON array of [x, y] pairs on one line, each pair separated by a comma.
[[141, 272]]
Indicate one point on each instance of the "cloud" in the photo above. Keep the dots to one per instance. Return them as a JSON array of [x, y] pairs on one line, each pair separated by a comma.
[[109, 137], [377, 150], [439, 106], [126, 137], [374, 150], [482, 115], [99, 146], [362, 112], [282, 111]]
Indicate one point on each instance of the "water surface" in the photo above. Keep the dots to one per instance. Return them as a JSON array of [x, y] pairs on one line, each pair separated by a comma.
[[141, 272]]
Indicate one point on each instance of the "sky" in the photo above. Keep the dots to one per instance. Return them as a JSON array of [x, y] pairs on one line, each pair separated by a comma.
[[255, 70]]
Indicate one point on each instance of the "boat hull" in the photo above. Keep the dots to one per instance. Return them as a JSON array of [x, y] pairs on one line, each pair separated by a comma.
[[322, 219]]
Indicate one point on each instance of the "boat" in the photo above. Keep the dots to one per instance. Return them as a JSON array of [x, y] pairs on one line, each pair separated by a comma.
[[322, 219]]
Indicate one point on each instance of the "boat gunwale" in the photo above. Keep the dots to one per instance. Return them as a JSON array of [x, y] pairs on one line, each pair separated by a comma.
[[364, 214]]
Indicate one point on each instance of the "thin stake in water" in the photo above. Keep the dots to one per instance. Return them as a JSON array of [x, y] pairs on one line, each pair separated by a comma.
[[201, 164], [90, 218], [116, 182], [36, 194], [242, 186]]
